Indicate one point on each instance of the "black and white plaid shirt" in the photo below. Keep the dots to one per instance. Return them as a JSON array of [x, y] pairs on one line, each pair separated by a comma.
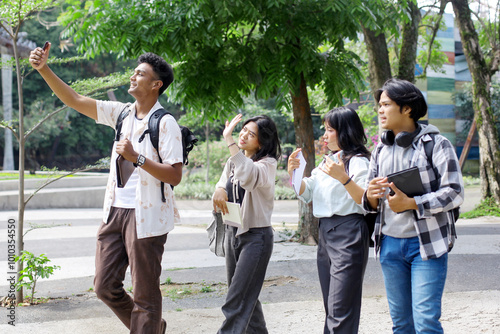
[[434, 222]]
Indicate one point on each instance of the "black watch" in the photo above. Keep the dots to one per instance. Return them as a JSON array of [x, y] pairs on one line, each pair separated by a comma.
[[140, 161]]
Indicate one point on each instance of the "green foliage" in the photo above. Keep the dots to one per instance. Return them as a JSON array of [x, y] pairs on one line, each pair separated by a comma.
[[196, 188], [98, 86], [487, 207], [14, 12], [437, 58], [226, 50], [66, 139], [34, 268], [206, 288], [369, 120], [471, 180], [218, 157]]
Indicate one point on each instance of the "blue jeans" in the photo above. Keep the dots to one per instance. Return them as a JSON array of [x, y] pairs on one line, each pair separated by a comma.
[[414, 287]]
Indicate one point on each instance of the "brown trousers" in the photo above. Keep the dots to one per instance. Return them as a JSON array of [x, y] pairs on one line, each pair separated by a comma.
[[118, 248]]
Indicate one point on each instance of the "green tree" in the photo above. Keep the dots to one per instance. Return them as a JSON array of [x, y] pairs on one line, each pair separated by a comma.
[[392, 46], [483, 57], [13, 14], [227, 49], [68, 140]]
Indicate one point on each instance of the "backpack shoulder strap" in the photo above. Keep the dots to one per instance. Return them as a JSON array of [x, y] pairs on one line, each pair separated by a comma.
[[379, 148], [429, 148], [154, 135], [119, 122], [154, 127]]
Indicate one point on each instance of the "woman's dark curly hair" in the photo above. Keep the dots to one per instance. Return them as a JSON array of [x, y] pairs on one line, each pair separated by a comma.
[[162, 69], [351, 136], [268, 137], [404, 93]]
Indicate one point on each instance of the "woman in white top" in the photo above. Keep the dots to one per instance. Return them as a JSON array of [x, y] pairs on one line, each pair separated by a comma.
[[248, 179], [336, 188]]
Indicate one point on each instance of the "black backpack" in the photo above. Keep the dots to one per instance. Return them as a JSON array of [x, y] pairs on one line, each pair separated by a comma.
[[188, 138]]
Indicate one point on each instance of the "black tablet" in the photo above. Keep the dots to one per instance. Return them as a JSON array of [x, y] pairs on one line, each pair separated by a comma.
[[408, 181]]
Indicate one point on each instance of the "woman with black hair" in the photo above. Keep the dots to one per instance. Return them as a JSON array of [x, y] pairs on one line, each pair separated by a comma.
[[336, 188], [248, 179]]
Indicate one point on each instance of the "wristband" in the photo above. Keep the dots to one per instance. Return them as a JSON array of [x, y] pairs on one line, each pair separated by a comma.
[[346, 182], [231, 145]]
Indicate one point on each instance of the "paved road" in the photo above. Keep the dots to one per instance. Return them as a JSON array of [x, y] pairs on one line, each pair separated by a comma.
[[291, 296]]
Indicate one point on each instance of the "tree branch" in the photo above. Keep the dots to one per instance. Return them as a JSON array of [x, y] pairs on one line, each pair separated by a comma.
[[7, 126], [250, 33], [434, 33], [36, 126], [99, 165]]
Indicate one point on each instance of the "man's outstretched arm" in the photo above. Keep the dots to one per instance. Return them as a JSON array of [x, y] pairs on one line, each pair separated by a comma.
[[84, 105]]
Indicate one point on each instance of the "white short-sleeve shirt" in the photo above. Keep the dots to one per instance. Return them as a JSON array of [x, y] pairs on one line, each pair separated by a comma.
[[153, 217]]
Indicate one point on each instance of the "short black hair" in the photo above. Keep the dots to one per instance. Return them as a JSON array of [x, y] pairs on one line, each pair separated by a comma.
[[162, 69], [351, 135], [268, 137], [404, 93]]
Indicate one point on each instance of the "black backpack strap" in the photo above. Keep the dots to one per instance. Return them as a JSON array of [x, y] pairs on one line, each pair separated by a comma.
[[154, 135], [188, 139], [119, 122], [429, 148], [379, 148]]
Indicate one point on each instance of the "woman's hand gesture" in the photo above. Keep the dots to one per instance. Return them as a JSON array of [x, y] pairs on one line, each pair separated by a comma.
[[293, 161], [228, 130], [335, 169]]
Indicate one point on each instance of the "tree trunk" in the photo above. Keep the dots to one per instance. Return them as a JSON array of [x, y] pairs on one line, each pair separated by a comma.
[[408, 53], [378, 58], [302, 120], [207, 141], [8, 156], [489, 155], [21, 204]]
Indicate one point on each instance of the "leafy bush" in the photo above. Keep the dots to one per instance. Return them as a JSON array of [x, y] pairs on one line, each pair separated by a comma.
[[194, 188], [34, 268], [487, 207], [369, 119], [198, 159]]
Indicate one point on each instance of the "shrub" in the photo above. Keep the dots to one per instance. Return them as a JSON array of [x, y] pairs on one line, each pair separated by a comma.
[[34, 268]]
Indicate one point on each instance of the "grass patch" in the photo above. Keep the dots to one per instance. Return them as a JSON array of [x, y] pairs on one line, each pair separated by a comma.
[[15, 176], [487, 207], [176, 291], [175, 269]]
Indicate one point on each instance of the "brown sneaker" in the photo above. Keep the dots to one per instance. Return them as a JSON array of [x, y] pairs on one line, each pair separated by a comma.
[[163, 326]]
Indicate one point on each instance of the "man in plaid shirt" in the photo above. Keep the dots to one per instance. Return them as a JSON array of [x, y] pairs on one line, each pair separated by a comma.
[[413, 234]]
